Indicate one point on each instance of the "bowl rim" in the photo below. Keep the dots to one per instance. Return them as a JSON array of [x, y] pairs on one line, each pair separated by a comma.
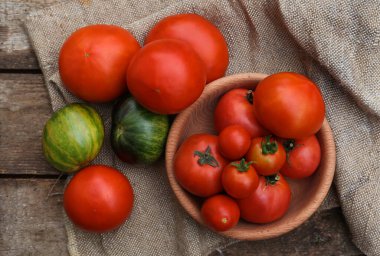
[[262, 231]]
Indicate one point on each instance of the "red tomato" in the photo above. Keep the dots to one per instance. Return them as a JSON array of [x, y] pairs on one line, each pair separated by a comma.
[[198, 165], [289, 105], [269, 202], [235, 107], [220, 212], [93, 62], [201, 35], [239, 179], [267, 155], [166, 76], [234, 142], [303, 157], [98, 198]]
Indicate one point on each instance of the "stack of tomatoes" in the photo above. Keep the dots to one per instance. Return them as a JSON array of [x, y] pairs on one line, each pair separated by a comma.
[[263, 135]]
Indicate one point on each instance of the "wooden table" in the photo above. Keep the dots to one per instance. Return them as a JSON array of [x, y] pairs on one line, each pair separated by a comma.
[[31, 223]]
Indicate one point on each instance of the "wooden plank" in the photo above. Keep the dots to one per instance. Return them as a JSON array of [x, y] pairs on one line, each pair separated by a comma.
[[15, 49], [31, 225], [24, 109]]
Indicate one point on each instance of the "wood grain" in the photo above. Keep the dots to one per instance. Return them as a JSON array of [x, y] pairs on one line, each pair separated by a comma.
[[15, 48], [29, 224], [24, 109]]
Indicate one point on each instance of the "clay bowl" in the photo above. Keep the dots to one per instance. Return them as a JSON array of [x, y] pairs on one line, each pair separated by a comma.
[[307, 194]]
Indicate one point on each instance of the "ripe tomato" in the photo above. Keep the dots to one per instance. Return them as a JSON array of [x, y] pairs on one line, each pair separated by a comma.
[[269, 202], [201, 35], [239, 179], [198, 165], [235, 107], [220, 212], [267, 155], [234, 142], [166, 76], [303, 157], [289, 105], [98, 198], [93, 62]]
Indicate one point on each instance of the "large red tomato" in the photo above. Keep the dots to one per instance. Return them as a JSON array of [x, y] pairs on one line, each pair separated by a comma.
[[166, 76], [93, 62], [289, 105], [198, 165], [220, 212], [202, 35], [267, 155], [303, 158], [236, 107], [269, 202], [98, 198]]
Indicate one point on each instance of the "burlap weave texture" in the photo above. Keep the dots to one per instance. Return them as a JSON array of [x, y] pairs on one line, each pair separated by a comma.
[[335, 43]]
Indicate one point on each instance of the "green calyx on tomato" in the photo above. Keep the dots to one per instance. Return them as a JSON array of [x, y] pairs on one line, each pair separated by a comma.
[[242, 166], [249, 96], [268, 147], [206, 157], [272, 179]]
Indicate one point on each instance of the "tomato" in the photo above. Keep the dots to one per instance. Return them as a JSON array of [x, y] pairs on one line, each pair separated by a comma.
[[239, 179], [201, 35], [220, 212], [267, 155], [236, 107], [303, 157], [234, 142], [93, 62], [269, 202], [98, 198], [289, 105], [198, 165], [166, 76]]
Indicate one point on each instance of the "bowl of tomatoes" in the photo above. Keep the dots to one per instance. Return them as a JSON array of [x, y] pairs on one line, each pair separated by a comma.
[[254, 157]]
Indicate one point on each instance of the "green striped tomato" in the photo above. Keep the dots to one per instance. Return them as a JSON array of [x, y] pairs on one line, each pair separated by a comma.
[[72, 137]]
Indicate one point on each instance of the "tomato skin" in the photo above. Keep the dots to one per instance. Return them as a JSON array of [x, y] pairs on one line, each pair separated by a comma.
[[234, 141], [166, 76], [93, 62], [98, 198], [266, 164], [200, 180], [303, 159], [201, 35], [267, 203], [289, 105], [220, 212], [235, 108], [239, 184]]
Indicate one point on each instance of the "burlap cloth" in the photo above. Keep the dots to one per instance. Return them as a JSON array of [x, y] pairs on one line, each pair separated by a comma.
[[335, 43]]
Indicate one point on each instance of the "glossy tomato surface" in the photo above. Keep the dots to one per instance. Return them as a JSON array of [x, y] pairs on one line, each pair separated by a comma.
[[93, 62], [234, 142], [98, 198], [267, 154], [198, 165], [239, 179], [236, 107], [304, 156], [201, 35], [269, 202], [166, 76], [220, 212], [289, 105]]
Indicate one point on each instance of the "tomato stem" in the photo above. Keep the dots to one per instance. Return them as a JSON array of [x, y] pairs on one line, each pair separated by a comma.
[[268, 146], [272, 179], [206, 157], [242, 166], [249, 96]]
